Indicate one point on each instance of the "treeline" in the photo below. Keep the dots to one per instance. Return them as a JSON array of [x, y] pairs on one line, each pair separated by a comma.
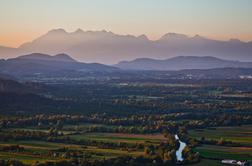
[[138, 124]]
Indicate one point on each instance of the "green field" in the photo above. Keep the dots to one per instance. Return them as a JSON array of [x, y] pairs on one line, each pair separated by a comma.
[[114, 137], [207, 162], [240, 134], [25, 158], [223, 152], [37, 150], [34, 151]]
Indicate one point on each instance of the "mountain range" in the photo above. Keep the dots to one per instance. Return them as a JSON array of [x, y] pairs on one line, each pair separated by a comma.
[[181, 63], [44, 65], [38, 63], [109, 48]]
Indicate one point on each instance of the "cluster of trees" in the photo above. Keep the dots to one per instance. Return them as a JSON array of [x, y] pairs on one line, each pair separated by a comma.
[[164, 152], [22, 135], [99, 144], [65, 153], [220, 142], [189, 156], [142, 123]]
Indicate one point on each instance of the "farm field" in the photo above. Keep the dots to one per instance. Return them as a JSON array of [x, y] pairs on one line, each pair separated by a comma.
[[208, 162], [37, 151], [211, 154], [223, 152], [237, 134], [120, 137], [33, 151]]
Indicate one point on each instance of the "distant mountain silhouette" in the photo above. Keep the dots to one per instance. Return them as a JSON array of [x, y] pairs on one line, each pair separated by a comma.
[[107, 47], [38, 63], [44, 57], [181, 62]]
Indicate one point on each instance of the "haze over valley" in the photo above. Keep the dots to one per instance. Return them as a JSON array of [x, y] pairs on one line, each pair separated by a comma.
[[166, 83]]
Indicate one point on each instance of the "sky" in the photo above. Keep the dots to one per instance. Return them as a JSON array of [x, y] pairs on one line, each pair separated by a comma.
[[24, 20]]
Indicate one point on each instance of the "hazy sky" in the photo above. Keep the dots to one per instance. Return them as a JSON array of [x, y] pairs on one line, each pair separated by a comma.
[[24, 20]]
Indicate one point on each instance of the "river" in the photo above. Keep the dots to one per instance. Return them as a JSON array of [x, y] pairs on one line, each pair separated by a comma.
[[182, 145]]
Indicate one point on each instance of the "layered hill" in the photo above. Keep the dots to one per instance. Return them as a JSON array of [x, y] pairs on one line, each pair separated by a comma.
[[180, 63], [37, 63]]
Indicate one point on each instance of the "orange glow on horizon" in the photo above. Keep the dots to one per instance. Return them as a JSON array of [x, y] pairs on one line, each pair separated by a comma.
[[24, 21]]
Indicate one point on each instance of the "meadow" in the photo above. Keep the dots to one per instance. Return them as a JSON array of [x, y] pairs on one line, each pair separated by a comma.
[[238, 134], [37, 151], [121, 137], [241, 136]]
